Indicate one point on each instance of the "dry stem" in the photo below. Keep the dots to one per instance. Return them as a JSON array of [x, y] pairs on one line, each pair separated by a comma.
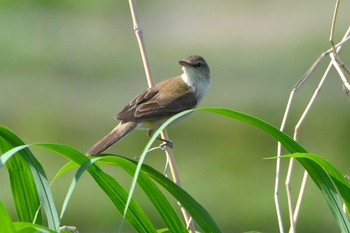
[[340, 67], [169, 152]]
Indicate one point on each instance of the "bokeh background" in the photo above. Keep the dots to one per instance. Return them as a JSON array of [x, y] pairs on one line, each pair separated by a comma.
[[67, 67]]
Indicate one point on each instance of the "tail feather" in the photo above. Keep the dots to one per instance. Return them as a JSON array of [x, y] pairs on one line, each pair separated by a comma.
[[120, 131]]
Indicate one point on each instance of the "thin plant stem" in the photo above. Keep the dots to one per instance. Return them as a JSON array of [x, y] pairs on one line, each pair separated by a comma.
[[289, 196], [278, 163], [294, 216], [334, 19], [339, 66], [300, 197], [345, 39], [140, 40], [176, 178], [299, 124], [169, 152]]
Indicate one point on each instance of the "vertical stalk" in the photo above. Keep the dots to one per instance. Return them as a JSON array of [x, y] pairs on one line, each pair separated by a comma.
[[139, 36], [169, 152]]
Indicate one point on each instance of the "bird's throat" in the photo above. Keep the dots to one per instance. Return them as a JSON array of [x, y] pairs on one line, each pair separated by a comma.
[[198, 82]]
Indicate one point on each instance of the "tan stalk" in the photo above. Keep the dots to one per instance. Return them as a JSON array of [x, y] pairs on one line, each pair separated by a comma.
[[278, 163], [340, 67], [294, 213], [333, 63], [169, 152], [334, 19]]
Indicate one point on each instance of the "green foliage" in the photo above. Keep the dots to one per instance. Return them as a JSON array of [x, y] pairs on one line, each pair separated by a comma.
[[28, 182], [6, 222], [22, 181], [135, 215]]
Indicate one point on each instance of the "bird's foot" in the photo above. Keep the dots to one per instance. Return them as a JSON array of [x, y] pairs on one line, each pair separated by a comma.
[[68, 228], [166, 143]]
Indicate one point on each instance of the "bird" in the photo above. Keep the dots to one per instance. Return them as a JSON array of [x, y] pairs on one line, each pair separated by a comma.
[[152, 107]]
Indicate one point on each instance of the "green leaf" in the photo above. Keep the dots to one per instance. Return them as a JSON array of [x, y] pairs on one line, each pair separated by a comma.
[[330, 181], [117, 194], [75, 179], [144, 153], [165, 209], [24, 227], [25, 184], [200, 215], [291, 145], [163, 206], [317, 163], [6, 225], [197, 212], [317, 173], [20, 181]]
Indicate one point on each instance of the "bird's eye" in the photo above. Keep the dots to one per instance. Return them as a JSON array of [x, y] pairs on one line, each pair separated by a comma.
[[198, 64]]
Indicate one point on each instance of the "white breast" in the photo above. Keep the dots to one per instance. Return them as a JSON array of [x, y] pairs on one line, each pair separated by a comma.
[[197, 81]]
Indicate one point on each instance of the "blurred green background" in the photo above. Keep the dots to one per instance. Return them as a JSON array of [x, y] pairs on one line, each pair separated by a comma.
[[67, 67]]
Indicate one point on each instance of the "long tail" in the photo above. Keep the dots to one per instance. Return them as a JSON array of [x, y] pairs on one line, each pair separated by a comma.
[[120, 131]]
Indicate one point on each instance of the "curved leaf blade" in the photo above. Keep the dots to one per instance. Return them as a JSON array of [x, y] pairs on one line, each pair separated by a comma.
[[342, 186], [160, 202], [117, 194], [317, 173], [197, 212], [6, 225], [29, 184]]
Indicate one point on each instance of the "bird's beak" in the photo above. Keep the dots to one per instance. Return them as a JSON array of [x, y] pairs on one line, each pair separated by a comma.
[[184, 63]]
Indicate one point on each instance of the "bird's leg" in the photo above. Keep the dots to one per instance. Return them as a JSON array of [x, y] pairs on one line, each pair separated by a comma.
[[165, 143], [68, 228]]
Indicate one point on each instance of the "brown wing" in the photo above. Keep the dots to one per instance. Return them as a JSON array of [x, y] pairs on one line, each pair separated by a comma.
[[163, 100], [128, 110]]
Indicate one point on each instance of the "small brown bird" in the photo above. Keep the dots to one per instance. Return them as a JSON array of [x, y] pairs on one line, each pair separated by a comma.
[[151, 108]]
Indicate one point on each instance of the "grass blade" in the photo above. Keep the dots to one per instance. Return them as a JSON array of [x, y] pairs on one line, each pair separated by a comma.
[[117, 194], [6, 225], [200, 215], [160, 202], [24, 227], [339, 186], [72, 186], [197, 212], [144, 153], [317, 173], [291, 145], [29, 184], [326, 177]]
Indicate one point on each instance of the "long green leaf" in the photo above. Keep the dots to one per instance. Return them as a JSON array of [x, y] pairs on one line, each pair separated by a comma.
[[322, 178], [197, 212], [20, 181], [114, 190], [160, 202], [163, 206], [212, 225], [6, 225], [24, 227], [291, 145], [334, 174], [144, 153], [28, 184], [136, 217], [318, 175], [74, 182]]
